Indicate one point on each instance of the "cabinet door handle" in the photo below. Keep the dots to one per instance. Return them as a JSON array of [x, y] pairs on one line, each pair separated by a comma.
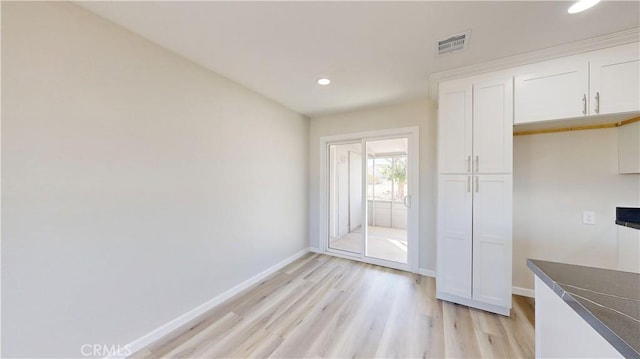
[[407, 201], [477, 184], [584, 104], [477, 163], [597, 102], [468, 183], [469, 163]]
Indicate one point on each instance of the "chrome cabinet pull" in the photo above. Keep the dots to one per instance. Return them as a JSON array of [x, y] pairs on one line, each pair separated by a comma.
[[584, 104], [468, 183], [597, 102], [477, 184], [469, 163], [477, 163]]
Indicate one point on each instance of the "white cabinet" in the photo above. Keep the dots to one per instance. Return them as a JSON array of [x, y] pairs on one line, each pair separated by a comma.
[[474, 240], [475, 193], [555, 89], [628, 249], [629, 148], [492, 231], [454, 115], [615, 80], [477, 122], [595, 83]]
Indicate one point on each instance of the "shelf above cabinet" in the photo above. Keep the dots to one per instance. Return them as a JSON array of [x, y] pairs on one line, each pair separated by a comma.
[[575, 124]]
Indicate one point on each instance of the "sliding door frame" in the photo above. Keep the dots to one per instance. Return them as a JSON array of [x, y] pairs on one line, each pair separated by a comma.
[[413, 225]]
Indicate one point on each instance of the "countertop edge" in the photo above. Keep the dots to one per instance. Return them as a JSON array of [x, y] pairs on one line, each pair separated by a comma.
[[628, 224], [610, 336]]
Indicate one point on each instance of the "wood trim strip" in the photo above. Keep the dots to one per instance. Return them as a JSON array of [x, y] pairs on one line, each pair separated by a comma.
[[631, 120], [577, 128]]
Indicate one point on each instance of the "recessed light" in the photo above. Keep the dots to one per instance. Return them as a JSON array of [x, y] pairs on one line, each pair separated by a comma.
[[582, 5], [324, 82]]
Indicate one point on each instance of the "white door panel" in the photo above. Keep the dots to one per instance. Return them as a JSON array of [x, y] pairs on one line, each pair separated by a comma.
[[492, 237], [455, 125], [556, 90], [615, 80], [454, 235], [493, 126]]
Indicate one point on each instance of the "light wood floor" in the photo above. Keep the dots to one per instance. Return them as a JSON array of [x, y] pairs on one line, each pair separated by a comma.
[[322, 306]]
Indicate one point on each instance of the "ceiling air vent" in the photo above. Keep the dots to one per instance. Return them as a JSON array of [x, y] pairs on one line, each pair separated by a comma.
[[454, 43]]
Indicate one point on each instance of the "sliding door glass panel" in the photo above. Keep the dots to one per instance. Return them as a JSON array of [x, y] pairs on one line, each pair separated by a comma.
[[387, 199], [345, 197]]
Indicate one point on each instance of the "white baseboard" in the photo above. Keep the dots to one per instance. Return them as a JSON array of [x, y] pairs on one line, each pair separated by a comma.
[[427, 272], [315, 250], [178, 322], [525, 292]]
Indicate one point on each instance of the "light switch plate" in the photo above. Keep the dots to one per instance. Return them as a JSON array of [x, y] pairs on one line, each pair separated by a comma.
[[588, 217]]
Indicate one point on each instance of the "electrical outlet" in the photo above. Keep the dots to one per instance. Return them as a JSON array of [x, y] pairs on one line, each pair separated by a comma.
[[588, 217]]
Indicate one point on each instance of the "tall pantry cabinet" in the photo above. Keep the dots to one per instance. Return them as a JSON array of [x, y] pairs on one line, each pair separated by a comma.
[[474, 228]]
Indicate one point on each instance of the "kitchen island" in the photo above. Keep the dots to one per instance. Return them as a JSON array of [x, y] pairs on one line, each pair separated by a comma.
[[586, 312]]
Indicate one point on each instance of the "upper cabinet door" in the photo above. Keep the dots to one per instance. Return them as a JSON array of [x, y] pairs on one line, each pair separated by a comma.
[[557, 89], [615, 80], [455, 128], [493, 126]]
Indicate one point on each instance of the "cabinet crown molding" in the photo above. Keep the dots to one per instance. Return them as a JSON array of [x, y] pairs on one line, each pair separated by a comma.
[[550, 53]]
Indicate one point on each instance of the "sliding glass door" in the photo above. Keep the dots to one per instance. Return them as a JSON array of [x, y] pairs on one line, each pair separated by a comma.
[[369, 188]]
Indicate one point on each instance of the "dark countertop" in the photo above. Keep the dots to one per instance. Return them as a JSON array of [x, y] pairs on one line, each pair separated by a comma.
[[628, 217], [608, 300]]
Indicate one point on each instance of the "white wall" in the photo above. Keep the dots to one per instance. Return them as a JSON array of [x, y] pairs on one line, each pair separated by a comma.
[[556, 177], [420, 113], [136, 185]]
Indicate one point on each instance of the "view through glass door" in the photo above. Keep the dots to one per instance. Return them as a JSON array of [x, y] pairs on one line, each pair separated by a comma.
[[369, 200], [387, 200]]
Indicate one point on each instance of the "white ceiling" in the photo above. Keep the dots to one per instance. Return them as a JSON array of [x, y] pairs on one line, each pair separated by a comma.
[[374, 52]]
